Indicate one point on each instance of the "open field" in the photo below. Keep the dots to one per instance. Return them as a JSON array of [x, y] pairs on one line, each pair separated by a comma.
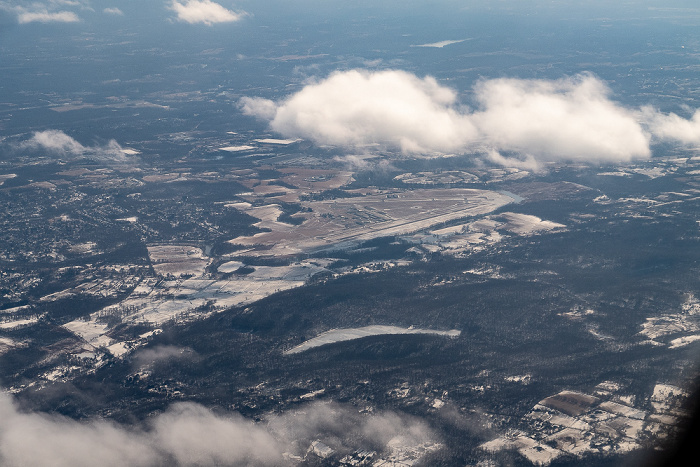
[[577, 424], [674, 329], [177, 259], [571, 403], [158, 302], [341, 335]]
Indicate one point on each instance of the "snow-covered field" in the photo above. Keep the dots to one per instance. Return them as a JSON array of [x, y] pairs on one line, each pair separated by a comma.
[[524, 224], [193, 298], [4, 178], [230, 266], [341, 335], [441, 44], [602, 426], [177, 260], [6, 344], [682, 326], [462, 239], [8, 325], [244, 147], [283, 142]]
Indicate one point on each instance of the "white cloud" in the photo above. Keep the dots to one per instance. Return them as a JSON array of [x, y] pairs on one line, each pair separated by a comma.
[[341, 427], [357, 108], [55, 141], [526, 161], [189, 434], [193, 435], [204, 11], [673, 127], [535, 121], [570, 119], [58, 143], [42, 12], [113, 11], [261, 108], [44, 16]]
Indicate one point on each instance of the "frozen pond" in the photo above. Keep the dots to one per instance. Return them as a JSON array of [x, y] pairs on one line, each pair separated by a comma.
[[341, 335]]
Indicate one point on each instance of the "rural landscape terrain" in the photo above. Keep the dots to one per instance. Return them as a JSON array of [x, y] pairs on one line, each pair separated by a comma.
[[352, 237]]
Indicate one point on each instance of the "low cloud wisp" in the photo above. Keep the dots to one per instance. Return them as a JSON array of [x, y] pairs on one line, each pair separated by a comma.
[[190, 434], [148, 357], [204, 11], [58, 143], [673, 127], [569, 119], [44, 16], [36, 12], [113, 11], [187, 434]]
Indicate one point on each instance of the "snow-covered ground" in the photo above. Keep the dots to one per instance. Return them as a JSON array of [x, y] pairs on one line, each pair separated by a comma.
[[462, 239], [244, 147], [441, 44], [6, 344], [9, 325], [683, 326], [282, 142], [524, 224], [157, 302], [177, 260], [341, 335], [230, 266], [601, 426]]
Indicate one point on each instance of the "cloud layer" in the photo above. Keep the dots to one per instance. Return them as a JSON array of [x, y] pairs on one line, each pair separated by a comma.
[[203, 11], [572, 119], [189, 434]]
